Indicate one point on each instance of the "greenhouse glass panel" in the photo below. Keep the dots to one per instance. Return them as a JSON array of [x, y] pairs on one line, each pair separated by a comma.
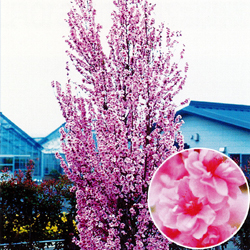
[[6, 163], [21, 163]]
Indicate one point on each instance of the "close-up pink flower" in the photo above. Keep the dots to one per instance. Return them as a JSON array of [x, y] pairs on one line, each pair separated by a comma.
[[213, 175], [181, 210], [197, 206]]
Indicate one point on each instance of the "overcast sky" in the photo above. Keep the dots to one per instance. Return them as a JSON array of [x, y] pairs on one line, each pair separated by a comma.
[[216, 35]]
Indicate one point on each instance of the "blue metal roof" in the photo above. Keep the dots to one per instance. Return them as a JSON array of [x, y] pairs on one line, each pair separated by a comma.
[[8, 124], [233, 114]]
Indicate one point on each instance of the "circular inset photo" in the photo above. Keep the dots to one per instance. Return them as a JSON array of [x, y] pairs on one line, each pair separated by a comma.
[[198, 198]]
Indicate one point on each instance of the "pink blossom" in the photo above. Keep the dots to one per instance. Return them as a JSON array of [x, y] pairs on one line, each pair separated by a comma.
[[181, 210], [216, 235], [213, 176]]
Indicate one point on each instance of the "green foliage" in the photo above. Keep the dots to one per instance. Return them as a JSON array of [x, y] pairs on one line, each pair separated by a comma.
[[34, 212]]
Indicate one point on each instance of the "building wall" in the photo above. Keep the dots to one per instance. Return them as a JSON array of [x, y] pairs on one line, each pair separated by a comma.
[[50, 162], [215, 135], [52, 144]]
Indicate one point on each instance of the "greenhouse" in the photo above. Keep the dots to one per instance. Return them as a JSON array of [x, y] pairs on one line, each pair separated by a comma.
[[17, 148]]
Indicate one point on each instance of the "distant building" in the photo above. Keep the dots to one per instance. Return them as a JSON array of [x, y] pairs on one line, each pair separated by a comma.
[[17, 148], [219, 126]]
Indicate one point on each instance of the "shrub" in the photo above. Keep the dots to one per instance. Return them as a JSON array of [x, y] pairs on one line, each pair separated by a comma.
[[33, 212]]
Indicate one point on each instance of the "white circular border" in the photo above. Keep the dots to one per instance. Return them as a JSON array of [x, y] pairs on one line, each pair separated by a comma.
[[179, 152]]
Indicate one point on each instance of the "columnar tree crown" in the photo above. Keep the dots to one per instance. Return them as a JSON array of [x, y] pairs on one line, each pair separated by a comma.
[[125, 102]]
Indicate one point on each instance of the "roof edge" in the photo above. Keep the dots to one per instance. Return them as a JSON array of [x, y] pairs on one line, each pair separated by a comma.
[[219, 105], [21, 132], [216, 117]]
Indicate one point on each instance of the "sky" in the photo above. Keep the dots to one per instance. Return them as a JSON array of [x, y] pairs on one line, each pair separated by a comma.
[[216, 35]]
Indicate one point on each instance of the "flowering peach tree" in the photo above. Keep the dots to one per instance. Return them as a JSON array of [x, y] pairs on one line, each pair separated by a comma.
[[120, 121]]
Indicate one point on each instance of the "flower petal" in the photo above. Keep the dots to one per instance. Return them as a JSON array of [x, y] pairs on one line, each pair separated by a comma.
[[168, 196], [195, 168], [197, 188], [207, 214], [222, 217], [213, 196], [220, 186], [169, 219], [201, 230], [185, 222]]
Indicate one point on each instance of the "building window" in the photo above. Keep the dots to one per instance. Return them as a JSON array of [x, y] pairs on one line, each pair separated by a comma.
[[6, 163], [46, 170], [236, 158], [21, 163], [243, 160], [51, 163], [13, 163]]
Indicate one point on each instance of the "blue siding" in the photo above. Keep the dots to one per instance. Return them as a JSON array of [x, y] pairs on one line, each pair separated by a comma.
[[215, 135]]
